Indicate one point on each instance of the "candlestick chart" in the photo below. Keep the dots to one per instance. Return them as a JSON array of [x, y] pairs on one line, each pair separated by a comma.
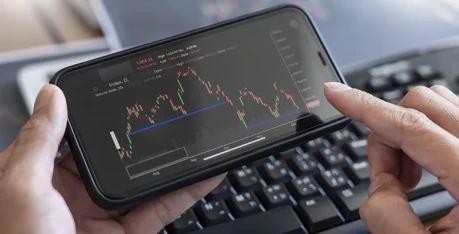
[[249, 107]]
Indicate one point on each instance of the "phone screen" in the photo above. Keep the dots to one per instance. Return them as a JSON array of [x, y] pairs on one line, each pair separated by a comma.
[[177, 108]]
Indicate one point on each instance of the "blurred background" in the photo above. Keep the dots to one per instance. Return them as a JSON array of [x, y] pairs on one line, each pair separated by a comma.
[[384, 47]]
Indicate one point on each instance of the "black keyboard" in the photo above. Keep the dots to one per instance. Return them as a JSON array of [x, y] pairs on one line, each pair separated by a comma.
[[320, 185]]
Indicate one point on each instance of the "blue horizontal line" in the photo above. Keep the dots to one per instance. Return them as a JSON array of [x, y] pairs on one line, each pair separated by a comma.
[[272, 119], [174, 119]]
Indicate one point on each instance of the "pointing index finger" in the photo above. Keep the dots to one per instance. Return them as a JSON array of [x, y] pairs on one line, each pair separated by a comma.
[[402, 128]]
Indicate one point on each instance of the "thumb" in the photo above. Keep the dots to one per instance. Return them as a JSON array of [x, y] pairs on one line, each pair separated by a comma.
[[387, 209], [37, 143]]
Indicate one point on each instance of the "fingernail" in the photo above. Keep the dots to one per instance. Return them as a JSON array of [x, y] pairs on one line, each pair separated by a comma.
[[336, 86], [378, 181], [43, 97]]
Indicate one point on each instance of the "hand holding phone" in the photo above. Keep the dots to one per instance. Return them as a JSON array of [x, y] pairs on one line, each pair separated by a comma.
[[161, 116]]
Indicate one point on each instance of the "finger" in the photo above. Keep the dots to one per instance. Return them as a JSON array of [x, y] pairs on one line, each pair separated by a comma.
[[387, 209], [410, 172], [444, 113], [152, 216], [386, 159], [36, 145], [446, 94], [382, 158], [447, 224], [429, 145]]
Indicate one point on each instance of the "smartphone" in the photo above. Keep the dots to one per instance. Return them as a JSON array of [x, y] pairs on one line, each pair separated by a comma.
[[158, 117]]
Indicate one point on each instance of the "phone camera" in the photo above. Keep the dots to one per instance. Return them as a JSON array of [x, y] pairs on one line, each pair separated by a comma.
[[294, 24]]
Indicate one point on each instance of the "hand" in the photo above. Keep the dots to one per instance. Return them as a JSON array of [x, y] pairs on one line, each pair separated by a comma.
[[39, 197], [422, 132]]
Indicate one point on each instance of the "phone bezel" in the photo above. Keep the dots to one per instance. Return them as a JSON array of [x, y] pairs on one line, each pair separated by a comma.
[[88, 176]]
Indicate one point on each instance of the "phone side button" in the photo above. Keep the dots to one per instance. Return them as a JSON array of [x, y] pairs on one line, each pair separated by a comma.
[[275, 221]]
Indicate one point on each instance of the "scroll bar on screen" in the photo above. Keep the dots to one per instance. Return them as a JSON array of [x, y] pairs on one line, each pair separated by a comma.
[[117, 145], [235, 148]]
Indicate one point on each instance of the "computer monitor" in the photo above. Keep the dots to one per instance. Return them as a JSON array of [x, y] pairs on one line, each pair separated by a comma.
[[354, 30]]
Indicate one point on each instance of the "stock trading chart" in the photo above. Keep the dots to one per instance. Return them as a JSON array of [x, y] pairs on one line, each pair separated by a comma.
[[247, 103], [197, 104]]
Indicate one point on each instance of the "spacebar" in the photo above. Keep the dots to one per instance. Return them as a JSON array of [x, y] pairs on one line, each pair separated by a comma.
[[282, 220]]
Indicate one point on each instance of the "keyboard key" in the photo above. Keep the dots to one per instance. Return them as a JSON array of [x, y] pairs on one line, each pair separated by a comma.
[[379, 83], [275, 172], [393, 96], [274, 196], [245, 179], [198, 203], [333, 179], [319, 213], [280, 220], [214, 213], [359, 172], [427, 72], [331, 157], [360, 129], [303, 187], [440, 82], [222, 191], [244, 204], [261, 162], [404, 78], [314, 144], [341, 136], [186, 222], [357, 150], [427, 185], [349, 200], [304, 164], [395, 101]]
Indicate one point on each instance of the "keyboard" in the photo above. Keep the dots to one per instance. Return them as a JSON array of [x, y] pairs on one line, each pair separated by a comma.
[[319, 186]]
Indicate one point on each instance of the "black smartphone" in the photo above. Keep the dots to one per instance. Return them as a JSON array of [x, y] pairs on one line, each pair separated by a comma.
[[155, 118]]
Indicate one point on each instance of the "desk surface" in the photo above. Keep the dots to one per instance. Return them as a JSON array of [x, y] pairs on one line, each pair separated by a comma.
[[23, 24]]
